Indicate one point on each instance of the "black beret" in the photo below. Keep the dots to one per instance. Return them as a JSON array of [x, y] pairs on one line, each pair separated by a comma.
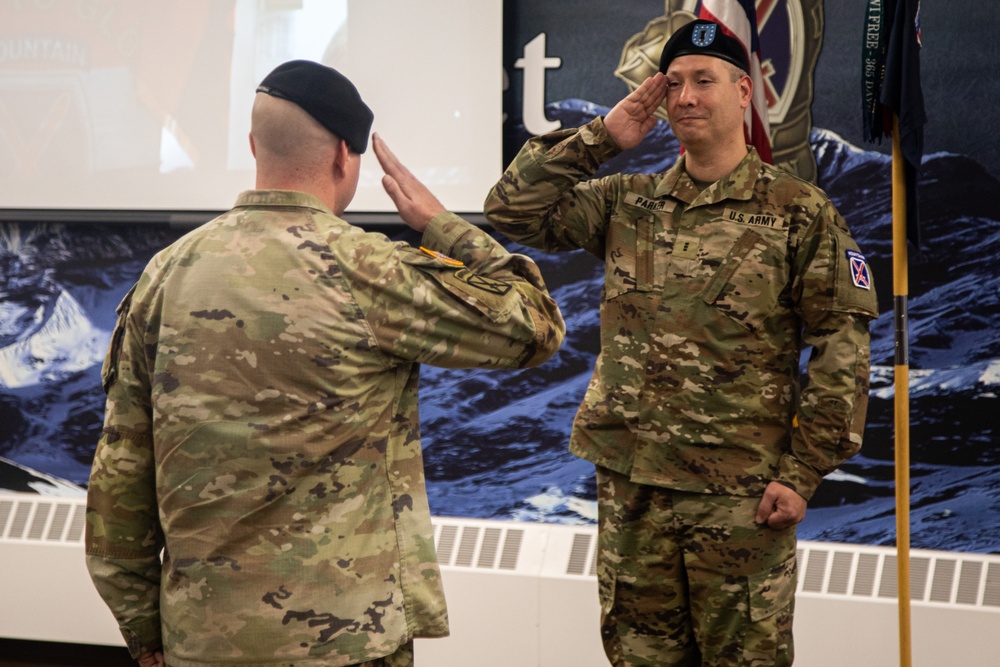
[[703, 38], [326, 95]]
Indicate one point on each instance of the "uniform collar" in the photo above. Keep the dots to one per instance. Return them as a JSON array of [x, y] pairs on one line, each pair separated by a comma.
[[737, 185], [283, 198]]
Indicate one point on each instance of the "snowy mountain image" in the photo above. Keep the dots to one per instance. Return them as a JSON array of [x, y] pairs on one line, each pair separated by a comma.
[[496, 442]]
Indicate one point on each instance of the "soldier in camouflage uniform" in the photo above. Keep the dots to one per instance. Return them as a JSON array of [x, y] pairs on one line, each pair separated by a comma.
[[262, 429], [717, 274]]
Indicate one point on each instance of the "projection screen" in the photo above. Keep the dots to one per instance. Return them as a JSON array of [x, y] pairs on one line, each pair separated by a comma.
[[118, 105]]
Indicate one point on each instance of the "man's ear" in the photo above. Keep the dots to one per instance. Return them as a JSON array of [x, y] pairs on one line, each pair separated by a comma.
[[253, 147], [746, 90], [340, 160]]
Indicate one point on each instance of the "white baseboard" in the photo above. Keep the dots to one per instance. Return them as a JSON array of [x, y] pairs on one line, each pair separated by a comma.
[[525, 594]]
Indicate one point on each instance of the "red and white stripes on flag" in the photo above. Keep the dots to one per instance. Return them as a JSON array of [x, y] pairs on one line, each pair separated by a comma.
[[738, 18]]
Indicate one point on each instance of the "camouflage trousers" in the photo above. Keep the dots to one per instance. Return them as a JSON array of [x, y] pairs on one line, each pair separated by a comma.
[[403, 657], [690, 580]]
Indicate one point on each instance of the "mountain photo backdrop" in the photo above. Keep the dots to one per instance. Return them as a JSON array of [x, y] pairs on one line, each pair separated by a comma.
[[496, 442]]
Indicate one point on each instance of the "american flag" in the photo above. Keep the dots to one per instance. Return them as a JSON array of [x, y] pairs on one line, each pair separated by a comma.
[[738, 18]]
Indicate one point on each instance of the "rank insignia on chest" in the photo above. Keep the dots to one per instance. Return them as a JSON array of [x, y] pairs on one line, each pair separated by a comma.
[[860, 274], [687, 245]]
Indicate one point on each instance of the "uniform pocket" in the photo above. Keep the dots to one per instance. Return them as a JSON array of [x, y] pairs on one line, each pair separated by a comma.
[[607, 579], [629, 261], [749, 281], [772, 590], [768, 639], [496, 299], [854, 291], [109, 371]]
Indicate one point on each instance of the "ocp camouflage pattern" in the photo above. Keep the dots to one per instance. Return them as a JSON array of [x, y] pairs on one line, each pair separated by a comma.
[[708, 298], [664, 554], [262, 430]]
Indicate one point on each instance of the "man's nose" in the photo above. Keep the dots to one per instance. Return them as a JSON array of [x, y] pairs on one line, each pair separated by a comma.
[[686, 97]]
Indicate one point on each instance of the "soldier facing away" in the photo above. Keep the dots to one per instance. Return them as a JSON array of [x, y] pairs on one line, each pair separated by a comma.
[[257, 495], [718, 274]]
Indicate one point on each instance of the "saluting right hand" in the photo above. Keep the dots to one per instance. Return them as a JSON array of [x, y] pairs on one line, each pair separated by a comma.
[[415, 203], [630, 120]]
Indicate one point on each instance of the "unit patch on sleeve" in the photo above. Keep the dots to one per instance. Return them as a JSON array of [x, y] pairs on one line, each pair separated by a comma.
[[860, 274], [854, 285]]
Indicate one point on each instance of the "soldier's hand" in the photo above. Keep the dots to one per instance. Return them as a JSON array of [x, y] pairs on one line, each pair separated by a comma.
[[780, 507], [630, 120], [154, 659], [415, 203]]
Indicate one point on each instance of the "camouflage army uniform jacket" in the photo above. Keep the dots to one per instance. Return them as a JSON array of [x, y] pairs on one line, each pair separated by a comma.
[[262, 431], [708, 298]]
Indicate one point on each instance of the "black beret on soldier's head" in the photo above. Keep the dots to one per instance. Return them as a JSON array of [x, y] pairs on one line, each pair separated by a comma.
[[703, 38], [326, 95]]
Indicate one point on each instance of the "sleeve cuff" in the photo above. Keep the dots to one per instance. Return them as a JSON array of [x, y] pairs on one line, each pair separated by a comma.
[[595, 133], [798, 476], [142, 637]]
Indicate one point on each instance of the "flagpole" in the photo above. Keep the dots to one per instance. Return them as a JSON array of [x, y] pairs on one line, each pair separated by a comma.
[[901, 288]]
